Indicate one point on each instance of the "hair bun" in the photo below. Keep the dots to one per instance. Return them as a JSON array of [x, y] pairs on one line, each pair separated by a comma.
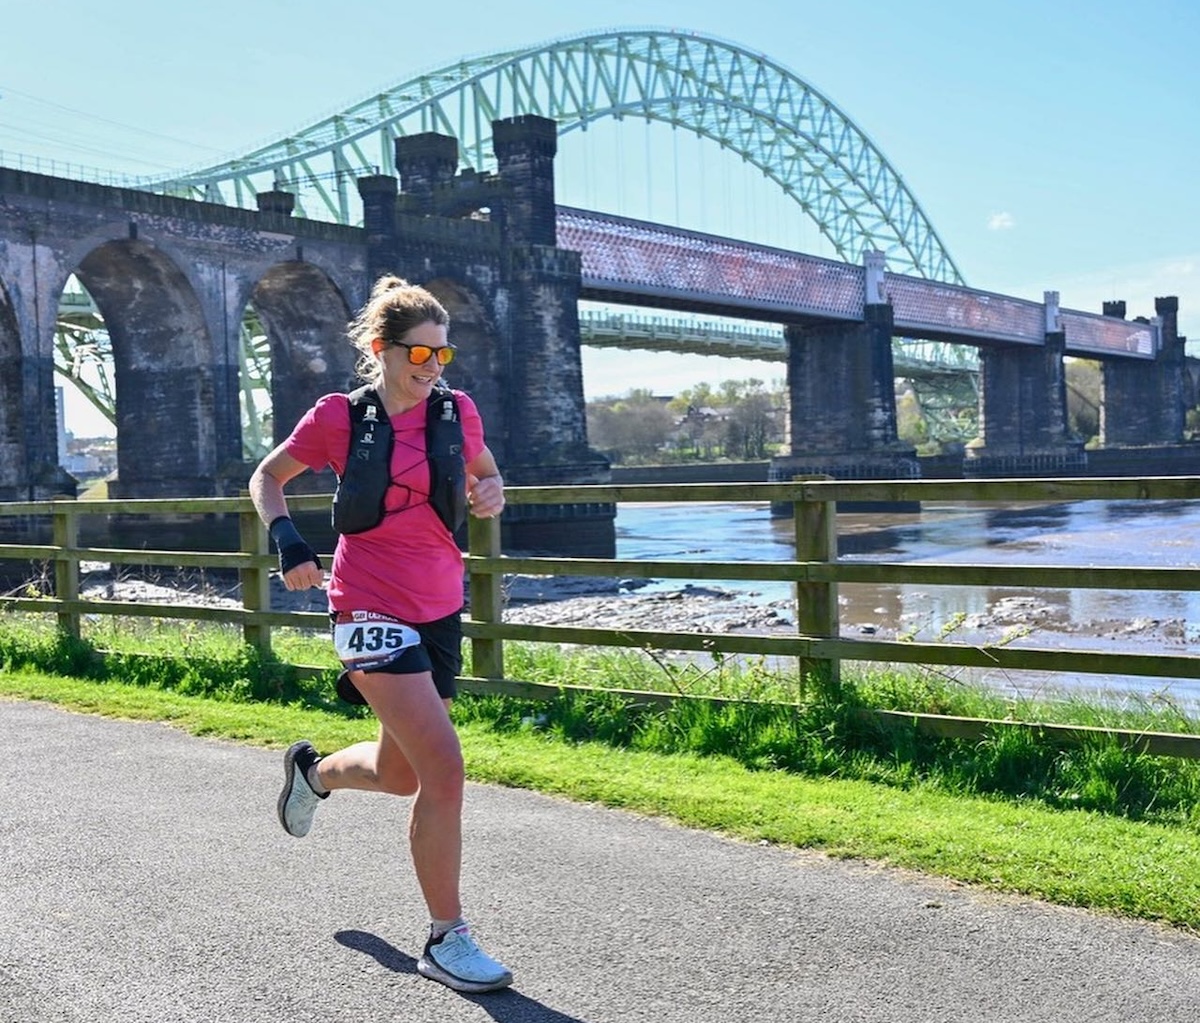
[[388, 283]]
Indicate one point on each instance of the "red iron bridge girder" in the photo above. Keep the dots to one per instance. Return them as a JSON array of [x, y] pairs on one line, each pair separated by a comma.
[[637, 262]]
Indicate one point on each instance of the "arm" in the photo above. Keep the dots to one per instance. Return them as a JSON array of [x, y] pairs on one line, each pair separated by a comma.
[[485, 487], [298, 565]]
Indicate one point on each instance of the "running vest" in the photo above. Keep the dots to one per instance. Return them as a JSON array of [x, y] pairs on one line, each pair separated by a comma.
[[358, 503]]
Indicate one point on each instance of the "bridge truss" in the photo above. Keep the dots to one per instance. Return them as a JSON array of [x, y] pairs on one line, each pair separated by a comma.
[[739, 100]]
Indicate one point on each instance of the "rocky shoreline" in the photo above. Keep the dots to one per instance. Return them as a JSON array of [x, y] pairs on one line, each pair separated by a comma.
[[628, 604], [547, 600]]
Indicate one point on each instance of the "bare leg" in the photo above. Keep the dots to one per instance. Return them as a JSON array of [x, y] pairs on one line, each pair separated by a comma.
[[415, 727], [379, 766]]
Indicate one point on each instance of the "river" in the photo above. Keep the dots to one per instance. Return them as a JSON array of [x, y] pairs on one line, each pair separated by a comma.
[[1086, 533]]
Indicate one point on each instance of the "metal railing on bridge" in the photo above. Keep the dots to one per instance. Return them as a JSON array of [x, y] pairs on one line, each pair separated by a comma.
[[642, 263], [599, 328]]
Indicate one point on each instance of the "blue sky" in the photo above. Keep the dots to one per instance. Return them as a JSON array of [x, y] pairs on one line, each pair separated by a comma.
[[1052, 143]]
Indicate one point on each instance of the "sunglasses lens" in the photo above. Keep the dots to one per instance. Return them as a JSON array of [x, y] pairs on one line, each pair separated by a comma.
[[418, 355]]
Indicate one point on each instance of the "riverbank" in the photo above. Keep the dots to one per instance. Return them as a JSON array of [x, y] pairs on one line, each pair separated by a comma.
[[1029, 620]]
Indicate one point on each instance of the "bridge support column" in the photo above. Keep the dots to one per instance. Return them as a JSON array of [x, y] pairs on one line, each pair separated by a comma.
[[1023, 410], [1142, 401], [526, 319], [29, 469], [547, 423], [525, 148], [842, 415]]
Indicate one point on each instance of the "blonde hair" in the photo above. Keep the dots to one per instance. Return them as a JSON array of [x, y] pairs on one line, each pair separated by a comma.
[[394, 308]]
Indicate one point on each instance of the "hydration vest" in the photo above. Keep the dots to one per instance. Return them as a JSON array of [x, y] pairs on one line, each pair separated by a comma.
[[358, 503]]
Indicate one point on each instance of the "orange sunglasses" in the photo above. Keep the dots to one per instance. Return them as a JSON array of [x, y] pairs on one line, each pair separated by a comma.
[[418, 355]]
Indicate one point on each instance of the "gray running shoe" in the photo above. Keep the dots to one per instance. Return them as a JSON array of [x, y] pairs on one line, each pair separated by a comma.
[[457, 961], [298, 802]]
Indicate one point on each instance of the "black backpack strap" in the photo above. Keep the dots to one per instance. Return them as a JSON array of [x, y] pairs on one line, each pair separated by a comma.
[[447, 467], [359, 500]]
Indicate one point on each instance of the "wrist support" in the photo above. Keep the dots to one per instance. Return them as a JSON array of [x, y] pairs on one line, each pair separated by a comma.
[[292, 549]]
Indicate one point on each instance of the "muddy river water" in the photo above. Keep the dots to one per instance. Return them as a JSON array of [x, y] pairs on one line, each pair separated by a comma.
[[1087, 533]]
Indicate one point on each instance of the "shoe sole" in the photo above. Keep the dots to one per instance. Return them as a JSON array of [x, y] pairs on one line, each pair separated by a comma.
[[289, 776], [426, 967]]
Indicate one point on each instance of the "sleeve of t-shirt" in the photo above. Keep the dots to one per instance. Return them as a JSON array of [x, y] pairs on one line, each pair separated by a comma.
[[472, 425], [322, 437]]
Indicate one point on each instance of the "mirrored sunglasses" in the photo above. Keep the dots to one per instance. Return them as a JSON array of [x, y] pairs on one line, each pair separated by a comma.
[[418, 355]]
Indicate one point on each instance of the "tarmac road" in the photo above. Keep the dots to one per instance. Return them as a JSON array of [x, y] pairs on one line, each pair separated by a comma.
[[146, 879]]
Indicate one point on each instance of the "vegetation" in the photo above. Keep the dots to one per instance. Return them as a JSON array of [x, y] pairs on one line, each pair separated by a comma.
[[745, 419], [742, 420], [1084, 380], [1095, 825]]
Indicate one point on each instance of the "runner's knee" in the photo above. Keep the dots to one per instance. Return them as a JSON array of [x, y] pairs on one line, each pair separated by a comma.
[[443, 775]]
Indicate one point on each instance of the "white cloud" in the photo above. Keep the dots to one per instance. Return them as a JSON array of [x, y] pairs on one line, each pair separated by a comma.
[[1001, 222]]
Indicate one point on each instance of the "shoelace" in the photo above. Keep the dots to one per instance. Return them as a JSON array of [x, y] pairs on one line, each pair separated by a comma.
[[461, 946]]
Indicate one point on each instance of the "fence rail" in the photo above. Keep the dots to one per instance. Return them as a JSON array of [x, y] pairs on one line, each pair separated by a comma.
[[815, 573]]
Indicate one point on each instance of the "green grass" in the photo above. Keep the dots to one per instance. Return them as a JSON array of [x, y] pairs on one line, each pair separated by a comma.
[[1095, 826]]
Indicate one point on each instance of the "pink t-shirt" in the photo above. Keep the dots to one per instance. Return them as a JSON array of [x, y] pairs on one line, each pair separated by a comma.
[[409, 565]]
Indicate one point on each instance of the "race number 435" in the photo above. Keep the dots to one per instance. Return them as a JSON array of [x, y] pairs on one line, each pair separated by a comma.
[[358, 641]]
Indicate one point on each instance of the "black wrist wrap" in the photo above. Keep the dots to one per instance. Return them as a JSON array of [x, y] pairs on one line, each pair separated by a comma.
[[292, 549]]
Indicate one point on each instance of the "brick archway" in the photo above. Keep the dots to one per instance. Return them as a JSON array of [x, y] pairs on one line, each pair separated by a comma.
[[167, 412], [305, 316]]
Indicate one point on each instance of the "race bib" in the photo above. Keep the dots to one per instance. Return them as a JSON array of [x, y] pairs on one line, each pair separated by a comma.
[[367, 639]]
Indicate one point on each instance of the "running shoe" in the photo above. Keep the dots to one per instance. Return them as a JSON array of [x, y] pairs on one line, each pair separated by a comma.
[[298, 802], [456, 960]]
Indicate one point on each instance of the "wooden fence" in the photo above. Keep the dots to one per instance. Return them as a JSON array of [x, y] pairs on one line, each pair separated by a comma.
[[815, 573]]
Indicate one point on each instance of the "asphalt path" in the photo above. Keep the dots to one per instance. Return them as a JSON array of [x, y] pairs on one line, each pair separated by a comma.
[[145, 878]]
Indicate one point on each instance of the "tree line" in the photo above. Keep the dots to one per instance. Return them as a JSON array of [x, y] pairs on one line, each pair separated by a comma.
[[739, 420], [746, 420]]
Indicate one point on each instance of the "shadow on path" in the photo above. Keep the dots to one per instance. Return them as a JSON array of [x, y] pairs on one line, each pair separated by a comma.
[[507, 1006]]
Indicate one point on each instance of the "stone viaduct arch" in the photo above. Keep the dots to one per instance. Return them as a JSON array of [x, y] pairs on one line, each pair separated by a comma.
[[304, 314], [171, 279], [168, 385]]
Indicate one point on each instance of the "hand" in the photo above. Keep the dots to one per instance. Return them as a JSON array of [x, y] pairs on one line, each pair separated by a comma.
[[486, 497], [303, 576], [299, 566]]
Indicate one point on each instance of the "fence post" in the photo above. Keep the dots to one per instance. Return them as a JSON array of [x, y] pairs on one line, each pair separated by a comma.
[[66, 570], [817, 602], [487, 597], [256, 581]]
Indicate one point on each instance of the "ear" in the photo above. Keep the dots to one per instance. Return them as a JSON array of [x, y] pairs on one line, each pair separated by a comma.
[[377, 345]]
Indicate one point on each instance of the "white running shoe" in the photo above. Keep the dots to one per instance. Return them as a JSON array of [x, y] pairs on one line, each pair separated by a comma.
[[298, 802], [456, 960]]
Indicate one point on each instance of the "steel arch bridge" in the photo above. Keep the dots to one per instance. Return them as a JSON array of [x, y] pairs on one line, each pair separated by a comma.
[[740, 100]]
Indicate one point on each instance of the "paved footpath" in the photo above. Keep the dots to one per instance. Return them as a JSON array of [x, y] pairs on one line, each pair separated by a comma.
[[144, 878]]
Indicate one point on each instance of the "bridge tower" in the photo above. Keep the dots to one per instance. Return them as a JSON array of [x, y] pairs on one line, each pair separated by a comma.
[[485, 244], [1143, 403]]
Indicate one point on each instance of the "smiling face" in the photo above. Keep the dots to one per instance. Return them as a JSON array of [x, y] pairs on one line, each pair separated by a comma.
[[408, 385]]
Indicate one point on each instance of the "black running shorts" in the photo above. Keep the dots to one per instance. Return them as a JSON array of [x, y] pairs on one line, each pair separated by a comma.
[[439, 652]]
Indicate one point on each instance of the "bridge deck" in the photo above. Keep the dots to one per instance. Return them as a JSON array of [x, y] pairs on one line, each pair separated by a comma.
[[641, 263]]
